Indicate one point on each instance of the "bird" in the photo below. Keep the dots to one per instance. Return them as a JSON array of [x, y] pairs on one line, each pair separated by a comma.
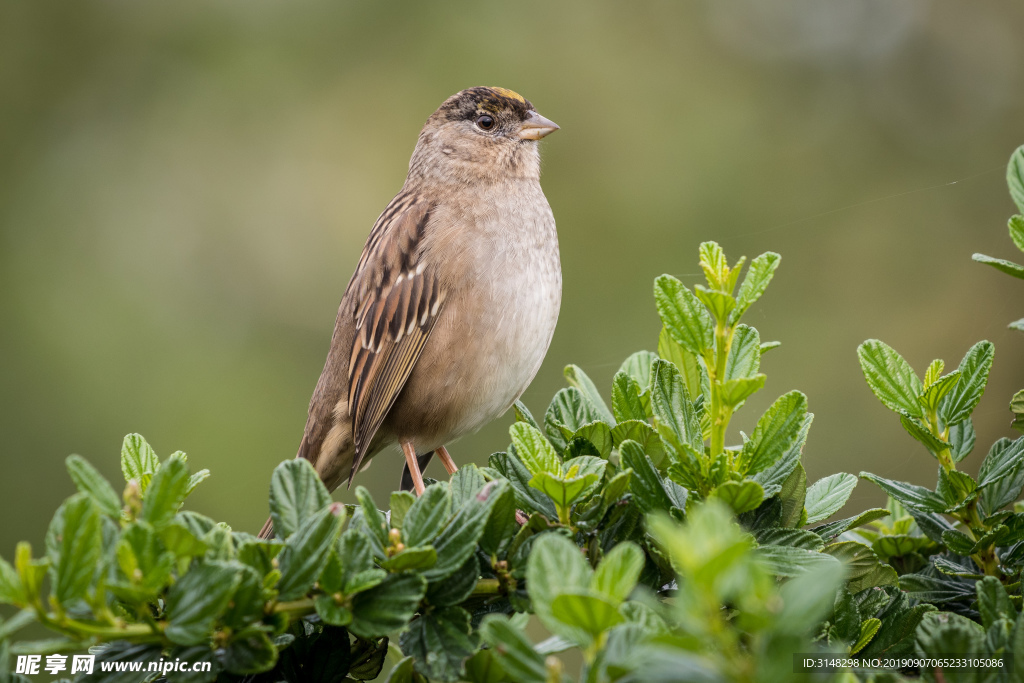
[[454, 301]]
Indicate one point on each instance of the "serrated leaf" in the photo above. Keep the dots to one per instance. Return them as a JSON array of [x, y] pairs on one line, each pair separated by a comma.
[[832, 530], [890, 377], [638, 366], [93, 484], [306, 551], [534, 450], [439, 641], [783, 560], [827, 496], [626, 402], [744, 355], [428, 515], [166, 492], [759, 275], [554, 567], [1002, 265], [387, 606], [1016, 226], [909, 495], [459, 538], [513, 650], [741, 496], [1001, 463], [960, 402], [777, 430], [683, 315], [618, 572], [736, 391], [579, 379], [674, 416], [296, 494], [585, 611], [688, 364], [80, 547], [197, 599], [138, 461], [1015, 177], [868, 629], [935, 391]]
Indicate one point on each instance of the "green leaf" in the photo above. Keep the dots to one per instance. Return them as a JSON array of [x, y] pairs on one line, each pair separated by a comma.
[[827, 496], [1001, 463], [250, 652], [688, 364], [556, 566], [863, 569], [458, 540], [166, 492], [577, 378], [789, 561], [569, 410], [1002, 265], [513, 469], [673, 411], [80, 549], [718, 303], [439, 641], [899, 623], [375, 523], [934, 392], [916, 428], [744, 355], [773, 477], [598, 434], [643, 434], [197, 599], [306, 551], [909, 495], [638, 366], [618, 572], [793, 493], [93, 484], [808, 598], [994, 602], [736, 391], [388, 606], [513, 650], [428, 515], [741, 496], [296, 494], [401, 501], [142, 558], [138, 461], [683, 315], [777, 430], [645, 483], [890, 377], [760, 273], [534, 450], [465, 484], [960, 402], [1015, 177], [626, 402], [1000, 492], [411, 558], [832, 530], [586, 611], [868, 629], [1016, 226], [563, 491], [11, 591], [523, 414]]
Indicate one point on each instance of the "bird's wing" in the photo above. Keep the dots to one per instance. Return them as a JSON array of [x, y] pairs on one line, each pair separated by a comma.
[[397, 299]]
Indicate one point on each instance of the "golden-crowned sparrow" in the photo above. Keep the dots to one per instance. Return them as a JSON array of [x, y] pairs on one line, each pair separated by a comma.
[[454, 300]]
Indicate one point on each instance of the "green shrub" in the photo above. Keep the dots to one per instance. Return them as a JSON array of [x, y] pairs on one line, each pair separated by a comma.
[[633, 531]]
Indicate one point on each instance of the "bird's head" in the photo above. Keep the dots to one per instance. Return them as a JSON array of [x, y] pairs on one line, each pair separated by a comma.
[[481, 134]]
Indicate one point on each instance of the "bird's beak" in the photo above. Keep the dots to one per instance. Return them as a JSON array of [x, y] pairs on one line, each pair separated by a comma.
[[536, 126]]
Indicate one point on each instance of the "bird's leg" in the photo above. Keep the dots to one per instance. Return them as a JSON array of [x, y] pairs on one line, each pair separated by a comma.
[[446, 460], [414, 467]]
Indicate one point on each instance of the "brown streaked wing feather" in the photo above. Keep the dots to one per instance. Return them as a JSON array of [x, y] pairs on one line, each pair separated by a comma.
[[397, 303]]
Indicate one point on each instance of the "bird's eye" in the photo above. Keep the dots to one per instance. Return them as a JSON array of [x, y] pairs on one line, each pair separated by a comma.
[[485, 122]]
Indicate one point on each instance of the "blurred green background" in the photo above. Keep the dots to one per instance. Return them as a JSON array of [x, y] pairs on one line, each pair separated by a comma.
[[185, 189]]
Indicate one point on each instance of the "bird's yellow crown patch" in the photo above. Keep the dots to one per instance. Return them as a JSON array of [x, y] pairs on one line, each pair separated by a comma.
[[511, 94]]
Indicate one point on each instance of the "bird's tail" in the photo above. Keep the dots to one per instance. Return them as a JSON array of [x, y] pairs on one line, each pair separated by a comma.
[[268, 529]]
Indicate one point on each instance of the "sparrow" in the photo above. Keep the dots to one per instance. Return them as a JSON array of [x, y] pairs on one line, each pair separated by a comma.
[[454, 301]]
